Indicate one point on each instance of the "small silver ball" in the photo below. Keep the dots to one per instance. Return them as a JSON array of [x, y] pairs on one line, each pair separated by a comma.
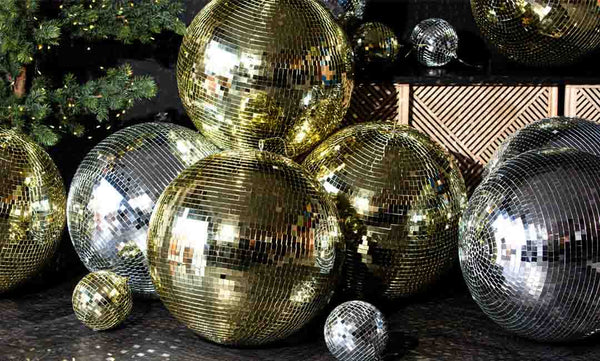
[[435, 41], [356, 331]]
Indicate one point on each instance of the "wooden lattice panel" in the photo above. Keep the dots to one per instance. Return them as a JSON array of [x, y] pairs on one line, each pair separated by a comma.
[[373, 102], [472, 121], [583, 101]]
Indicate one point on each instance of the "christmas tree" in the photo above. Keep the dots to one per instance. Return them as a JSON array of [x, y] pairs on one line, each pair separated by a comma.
[[32, 33]]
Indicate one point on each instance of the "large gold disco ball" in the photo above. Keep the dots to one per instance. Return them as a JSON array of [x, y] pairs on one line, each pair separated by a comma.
[[400, 197], [114, 192], [244, 247], [278, 71], [32, 208], [540, 32]]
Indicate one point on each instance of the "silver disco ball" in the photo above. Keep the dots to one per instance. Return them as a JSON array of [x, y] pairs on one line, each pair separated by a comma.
[[346, 12], [553, 132], [114, 191], [356, 331], [530, 243], [435, 41]]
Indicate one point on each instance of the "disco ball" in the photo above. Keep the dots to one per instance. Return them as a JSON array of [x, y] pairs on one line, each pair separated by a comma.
[[244, 247], [32, 208], [375, 43], [537, 32], [529, 244], [435, 42], [346, 12], [400, 197], [553, 132], [283, 75], [114, 191], [356, 331], [102, 300]]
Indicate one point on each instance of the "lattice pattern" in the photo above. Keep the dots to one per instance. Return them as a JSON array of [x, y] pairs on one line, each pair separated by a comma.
[[583, 101], [472, 121], [373, 101]]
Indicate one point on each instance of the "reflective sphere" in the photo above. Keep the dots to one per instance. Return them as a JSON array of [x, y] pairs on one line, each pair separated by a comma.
[[530, 244], [375, 43], [400, 197], [244, 247], [346, 12], [553, 132], [356, 331], [435, 42], [114, 191], [102, 300], [274, 70], [539, 32], [32, 208]]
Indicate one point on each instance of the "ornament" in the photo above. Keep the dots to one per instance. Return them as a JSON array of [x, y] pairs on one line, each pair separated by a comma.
[[539, 32], [375, 43], [553, 132], [283, 75], [32, 208], [244, 247], [400, 197], [114, 191], [356, 331], [529, 244], [102, 300], [346, 12], [435, 42]]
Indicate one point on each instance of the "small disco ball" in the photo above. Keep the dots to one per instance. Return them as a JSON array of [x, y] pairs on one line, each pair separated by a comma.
[[553, 132], [114, 191], [400, 197], [346, 12], [529, 244], [540, 32], [356, 331], [102, 300], [375, 43], [435, 42], [284, 74], [244, 247], [32, 208]]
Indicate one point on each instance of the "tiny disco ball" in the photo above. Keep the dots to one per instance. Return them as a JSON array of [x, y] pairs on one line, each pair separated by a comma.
[[553, 132], [375, 43], [32, 208], [529, 244], [537, 32], [400, 197], [346, 12], [356, 331], [244, 247], [281, 78], [435, 42], [114, 192], [102, 300]]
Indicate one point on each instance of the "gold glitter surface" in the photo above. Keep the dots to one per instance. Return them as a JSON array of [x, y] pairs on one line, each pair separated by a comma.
[[540, 32], [400, 197], [102, 300], [114, 192], [275, 70], [32, 208], [244, 247], [375, 43]]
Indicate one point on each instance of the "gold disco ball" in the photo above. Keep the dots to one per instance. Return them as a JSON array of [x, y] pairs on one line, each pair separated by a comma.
[[102, 300], [32, 208], [400, 197], [375, 43], [244, 247], [274, 72], [540, 32]]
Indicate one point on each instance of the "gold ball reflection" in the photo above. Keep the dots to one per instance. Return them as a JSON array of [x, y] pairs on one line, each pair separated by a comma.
[[375, 43], [400, 197], [102, 300], [244, 247], [537, 32], [32, 208], [275, 70]]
